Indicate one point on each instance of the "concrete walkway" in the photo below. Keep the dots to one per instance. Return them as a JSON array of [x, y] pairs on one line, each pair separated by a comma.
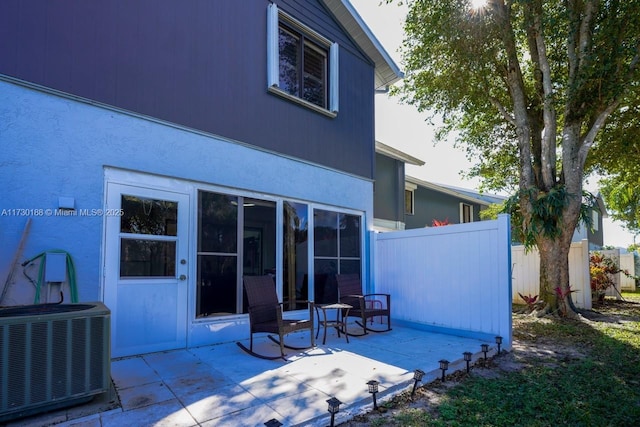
[[220, 385]]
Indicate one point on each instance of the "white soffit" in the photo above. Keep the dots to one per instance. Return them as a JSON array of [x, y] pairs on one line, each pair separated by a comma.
[[394, 153], [386, 70]]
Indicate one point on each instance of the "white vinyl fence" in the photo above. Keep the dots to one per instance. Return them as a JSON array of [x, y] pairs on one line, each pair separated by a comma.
[[526, 273], [627, 262], [454, 279]]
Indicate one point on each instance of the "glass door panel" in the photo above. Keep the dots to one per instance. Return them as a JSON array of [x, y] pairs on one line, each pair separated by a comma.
[[325, 232], [233, 232], [295, 257], [337, 244], [148, 236], [217, 278], [147, 258], [148, 216], [217, 223], [350, 236], [258, 239], [216, 290]]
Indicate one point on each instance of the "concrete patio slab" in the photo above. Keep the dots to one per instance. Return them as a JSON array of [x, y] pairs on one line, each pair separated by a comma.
[[220, 385]]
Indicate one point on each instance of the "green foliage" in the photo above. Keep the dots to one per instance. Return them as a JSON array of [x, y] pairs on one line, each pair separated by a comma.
[[492, 211], [544, 396], [528, 86], [547, 211], [622, 194], [616, 155], [455, 65], [597, 386]]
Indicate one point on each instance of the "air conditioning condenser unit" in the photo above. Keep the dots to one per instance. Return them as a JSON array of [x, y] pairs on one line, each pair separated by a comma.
[[52, 356]]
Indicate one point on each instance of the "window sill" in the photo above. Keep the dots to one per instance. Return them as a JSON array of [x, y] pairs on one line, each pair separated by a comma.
[[277, 91]]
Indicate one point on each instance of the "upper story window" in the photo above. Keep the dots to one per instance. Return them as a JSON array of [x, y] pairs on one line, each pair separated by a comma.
[[409, 198], [302, 65], [466, 213]]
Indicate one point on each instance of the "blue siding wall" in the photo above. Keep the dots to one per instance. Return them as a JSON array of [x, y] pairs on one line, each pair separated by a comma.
[[430, 205], [197, 63], [388, 196]]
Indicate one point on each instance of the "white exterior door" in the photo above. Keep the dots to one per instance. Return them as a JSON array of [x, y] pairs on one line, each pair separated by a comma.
[[146, 268]]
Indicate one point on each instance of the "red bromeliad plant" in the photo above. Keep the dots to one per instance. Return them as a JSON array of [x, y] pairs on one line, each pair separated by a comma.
[[561, 297], [530, 301], [437, 223], [601, 269]]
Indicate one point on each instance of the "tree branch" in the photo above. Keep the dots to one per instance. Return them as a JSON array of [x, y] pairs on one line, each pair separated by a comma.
[[585, 41], [548, 152], [503, 111], [633, 65], [588, 139], [516, 87], [572, 41]]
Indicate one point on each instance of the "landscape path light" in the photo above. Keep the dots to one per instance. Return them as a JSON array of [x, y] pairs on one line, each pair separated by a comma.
[[273, 423], [334, 408], [373, 389], [485, 348], [467, 358], [499, 342], [444, 365], [417, 377]]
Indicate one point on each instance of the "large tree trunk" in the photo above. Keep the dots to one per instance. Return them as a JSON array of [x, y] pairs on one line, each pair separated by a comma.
[[555, 287], [554, 275]]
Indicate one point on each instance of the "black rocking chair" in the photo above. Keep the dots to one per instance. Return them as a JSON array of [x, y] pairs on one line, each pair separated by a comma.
[[265, 315], [350, 290]]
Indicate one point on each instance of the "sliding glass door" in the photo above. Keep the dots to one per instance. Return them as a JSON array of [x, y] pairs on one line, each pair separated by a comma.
[[236, 237], [337, 242], [217, 292], [247, 236]]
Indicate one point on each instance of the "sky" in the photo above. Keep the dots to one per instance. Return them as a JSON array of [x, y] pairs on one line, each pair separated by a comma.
[[403, 127]]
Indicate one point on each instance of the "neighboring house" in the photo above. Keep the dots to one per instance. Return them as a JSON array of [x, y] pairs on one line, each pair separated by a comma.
[[404, 202], [593, 234], [458, 205], [443, 203], [391, 188], [172, 147]]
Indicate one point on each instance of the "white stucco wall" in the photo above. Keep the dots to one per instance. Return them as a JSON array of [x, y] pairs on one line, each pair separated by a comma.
[[54, 146]]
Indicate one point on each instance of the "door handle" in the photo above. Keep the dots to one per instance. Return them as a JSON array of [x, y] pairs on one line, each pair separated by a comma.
[[182, 277]]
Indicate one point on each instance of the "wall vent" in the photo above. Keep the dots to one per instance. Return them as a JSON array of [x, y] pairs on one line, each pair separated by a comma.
[[52, 356]]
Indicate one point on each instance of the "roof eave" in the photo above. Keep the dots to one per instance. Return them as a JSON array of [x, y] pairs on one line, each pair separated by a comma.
[[445, 190], [396, 154], [386, 71]]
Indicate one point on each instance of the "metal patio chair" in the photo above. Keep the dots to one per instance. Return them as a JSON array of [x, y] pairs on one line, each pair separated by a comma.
[[350, 291], [265, 316]]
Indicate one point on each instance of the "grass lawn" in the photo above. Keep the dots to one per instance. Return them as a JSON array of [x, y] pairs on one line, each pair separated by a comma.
[[559, 373]]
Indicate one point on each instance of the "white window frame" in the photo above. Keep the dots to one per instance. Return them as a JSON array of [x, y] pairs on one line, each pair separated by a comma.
[[462, 205], [273, 56], [412, 189], [595, 218]]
